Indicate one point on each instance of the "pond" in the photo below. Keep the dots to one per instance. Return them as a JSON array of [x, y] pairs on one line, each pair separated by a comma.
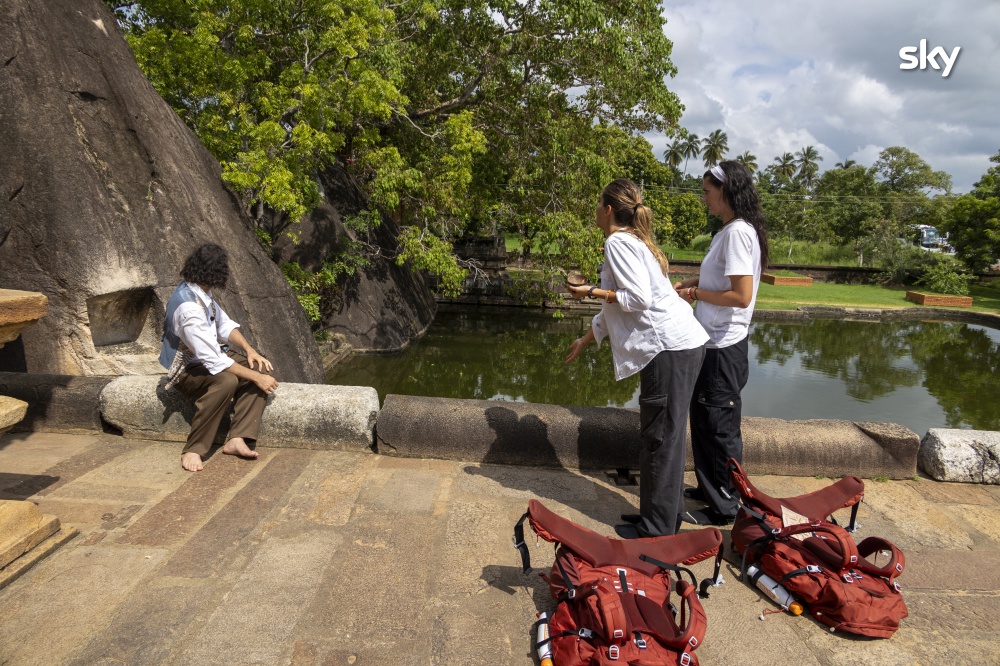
[[921, 374]]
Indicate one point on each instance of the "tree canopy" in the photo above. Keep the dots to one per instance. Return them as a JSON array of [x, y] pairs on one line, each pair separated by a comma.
[[452, 113]]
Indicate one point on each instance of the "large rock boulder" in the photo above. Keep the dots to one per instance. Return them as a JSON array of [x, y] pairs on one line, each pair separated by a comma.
[[382, 307], [962, 456], [103, 192]]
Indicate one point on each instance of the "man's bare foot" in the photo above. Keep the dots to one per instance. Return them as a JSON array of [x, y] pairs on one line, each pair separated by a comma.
[[237, 447], [191, 462]]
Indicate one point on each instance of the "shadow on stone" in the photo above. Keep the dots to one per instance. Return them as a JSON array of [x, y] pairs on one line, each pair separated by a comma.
[[23, 486]]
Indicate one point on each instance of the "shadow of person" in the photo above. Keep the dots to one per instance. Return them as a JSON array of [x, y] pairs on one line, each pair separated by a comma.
[[522, 457]]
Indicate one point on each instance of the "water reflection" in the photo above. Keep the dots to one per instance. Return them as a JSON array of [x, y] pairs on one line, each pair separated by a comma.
[[920, 374]]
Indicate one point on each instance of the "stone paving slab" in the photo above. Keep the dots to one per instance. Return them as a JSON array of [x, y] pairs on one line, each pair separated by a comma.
[[332, 557]]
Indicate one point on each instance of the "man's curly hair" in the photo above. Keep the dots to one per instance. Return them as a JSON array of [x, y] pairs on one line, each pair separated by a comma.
[[208, 266]]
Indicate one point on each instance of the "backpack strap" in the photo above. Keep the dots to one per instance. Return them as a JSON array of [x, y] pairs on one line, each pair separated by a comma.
[[614, 619], [519, 544], [843, 553], [895, 566]]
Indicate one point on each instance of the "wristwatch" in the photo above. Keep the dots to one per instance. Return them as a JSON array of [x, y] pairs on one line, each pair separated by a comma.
[[590, 292]]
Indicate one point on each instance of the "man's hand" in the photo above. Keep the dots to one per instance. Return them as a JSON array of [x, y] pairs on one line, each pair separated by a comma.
[[262, 363], [266, 383]]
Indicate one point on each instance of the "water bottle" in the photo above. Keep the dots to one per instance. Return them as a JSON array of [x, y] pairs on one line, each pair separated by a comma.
[[544, 651], [775, 591]]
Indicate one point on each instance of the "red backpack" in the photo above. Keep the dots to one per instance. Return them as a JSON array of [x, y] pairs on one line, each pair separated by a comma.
[[817, 561], [615, 596]]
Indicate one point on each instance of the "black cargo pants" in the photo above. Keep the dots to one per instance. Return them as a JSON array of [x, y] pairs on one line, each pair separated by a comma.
[[716, 413], [665, 387]]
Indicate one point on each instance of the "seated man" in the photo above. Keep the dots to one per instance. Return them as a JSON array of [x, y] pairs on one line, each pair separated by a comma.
[[200, 344]]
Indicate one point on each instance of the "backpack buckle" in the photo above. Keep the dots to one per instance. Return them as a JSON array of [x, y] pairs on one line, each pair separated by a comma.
[[693, 642], [896, 586], [583, 632], [640, 642], [848, 578], [813, 568], [613, 653], [685, 659]]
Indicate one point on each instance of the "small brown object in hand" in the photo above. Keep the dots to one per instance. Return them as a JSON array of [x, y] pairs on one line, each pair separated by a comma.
[[576, 279]]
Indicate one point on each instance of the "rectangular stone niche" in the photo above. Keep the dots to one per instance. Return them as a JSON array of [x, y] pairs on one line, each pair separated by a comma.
[[120, 316]]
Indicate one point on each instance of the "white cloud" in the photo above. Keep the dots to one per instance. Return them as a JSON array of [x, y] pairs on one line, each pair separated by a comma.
[[777, 75]]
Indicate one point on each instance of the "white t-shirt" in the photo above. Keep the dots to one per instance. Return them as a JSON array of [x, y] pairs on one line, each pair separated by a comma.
[[735, 250], [649, 316]]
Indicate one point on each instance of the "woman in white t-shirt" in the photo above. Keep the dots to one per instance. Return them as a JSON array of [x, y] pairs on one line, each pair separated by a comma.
[[652, 332], [724, 292]]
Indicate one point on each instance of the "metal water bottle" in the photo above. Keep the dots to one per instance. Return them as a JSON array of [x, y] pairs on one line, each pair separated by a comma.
[[775, 591], [544, 649]]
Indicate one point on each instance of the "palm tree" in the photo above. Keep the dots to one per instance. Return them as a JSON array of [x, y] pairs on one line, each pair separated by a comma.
[[748, 159], [674, 154], [846, 164], [786, 165], [808, 160], [715, 149], [692, 148]]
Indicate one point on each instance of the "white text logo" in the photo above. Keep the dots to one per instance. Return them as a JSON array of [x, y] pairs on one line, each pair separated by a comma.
[[913, 61]]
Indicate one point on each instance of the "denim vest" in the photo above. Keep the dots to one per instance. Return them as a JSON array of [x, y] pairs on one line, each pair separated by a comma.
[[182, 294]]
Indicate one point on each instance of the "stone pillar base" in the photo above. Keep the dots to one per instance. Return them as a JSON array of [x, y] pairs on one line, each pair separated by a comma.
[[26, 536]]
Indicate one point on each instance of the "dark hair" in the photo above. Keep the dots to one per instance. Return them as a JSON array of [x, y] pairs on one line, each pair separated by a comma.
[[625, 199], [207, 266], [741, 195]]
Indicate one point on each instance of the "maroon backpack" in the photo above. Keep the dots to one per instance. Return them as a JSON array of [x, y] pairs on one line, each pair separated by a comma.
[[817, 561], [615, 596]]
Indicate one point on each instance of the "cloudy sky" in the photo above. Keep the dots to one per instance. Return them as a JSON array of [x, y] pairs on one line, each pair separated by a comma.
[[777, 75]]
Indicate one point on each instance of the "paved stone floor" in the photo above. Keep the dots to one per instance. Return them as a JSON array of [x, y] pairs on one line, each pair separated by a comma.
[[311, 557]]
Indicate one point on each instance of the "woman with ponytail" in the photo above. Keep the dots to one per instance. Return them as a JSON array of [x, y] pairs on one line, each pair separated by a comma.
[[652, 332], [724, 294]]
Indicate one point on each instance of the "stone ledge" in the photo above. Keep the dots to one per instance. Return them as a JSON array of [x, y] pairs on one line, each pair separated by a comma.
[[305, 416], [517, 433], [963, 456], [920, 298], [15, 569]]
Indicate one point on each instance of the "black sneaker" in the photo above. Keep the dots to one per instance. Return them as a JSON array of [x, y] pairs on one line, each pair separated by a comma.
[[696, 494], [633, 518]]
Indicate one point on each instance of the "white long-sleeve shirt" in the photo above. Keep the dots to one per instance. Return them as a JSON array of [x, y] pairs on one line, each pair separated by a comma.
[[203, 334], [649, 316]]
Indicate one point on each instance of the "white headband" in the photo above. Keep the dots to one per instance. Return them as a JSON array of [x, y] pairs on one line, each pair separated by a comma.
[[718, 173]]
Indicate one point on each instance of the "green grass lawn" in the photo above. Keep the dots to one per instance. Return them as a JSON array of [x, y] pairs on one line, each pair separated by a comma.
[[773, 297]]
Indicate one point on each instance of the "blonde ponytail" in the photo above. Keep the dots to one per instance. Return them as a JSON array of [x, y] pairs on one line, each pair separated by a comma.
[[636, 218]]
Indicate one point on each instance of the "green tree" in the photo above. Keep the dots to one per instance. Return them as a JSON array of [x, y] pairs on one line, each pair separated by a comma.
[[807, 160], [973, 223], [847, 201], [692, 148], [715, 148], [687, 218], [900, 169], [445, 111], [748, 159], [785, 165]]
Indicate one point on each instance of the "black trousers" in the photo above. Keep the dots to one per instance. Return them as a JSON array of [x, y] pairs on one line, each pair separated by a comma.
[[665, 388], [716, 414]]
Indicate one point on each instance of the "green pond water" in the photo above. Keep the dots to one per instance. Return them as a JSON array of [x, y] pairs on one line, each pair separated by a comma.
[[920, 374]]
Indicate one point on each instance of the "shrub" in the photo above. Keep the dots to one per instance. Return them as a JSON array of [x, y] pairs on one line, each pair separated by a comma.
[[945, 276]]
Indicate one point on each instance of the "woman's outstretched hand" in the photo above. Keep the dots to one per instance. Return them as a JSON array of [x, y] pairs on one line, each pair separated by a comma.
[[575, 349], [579, 292]]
